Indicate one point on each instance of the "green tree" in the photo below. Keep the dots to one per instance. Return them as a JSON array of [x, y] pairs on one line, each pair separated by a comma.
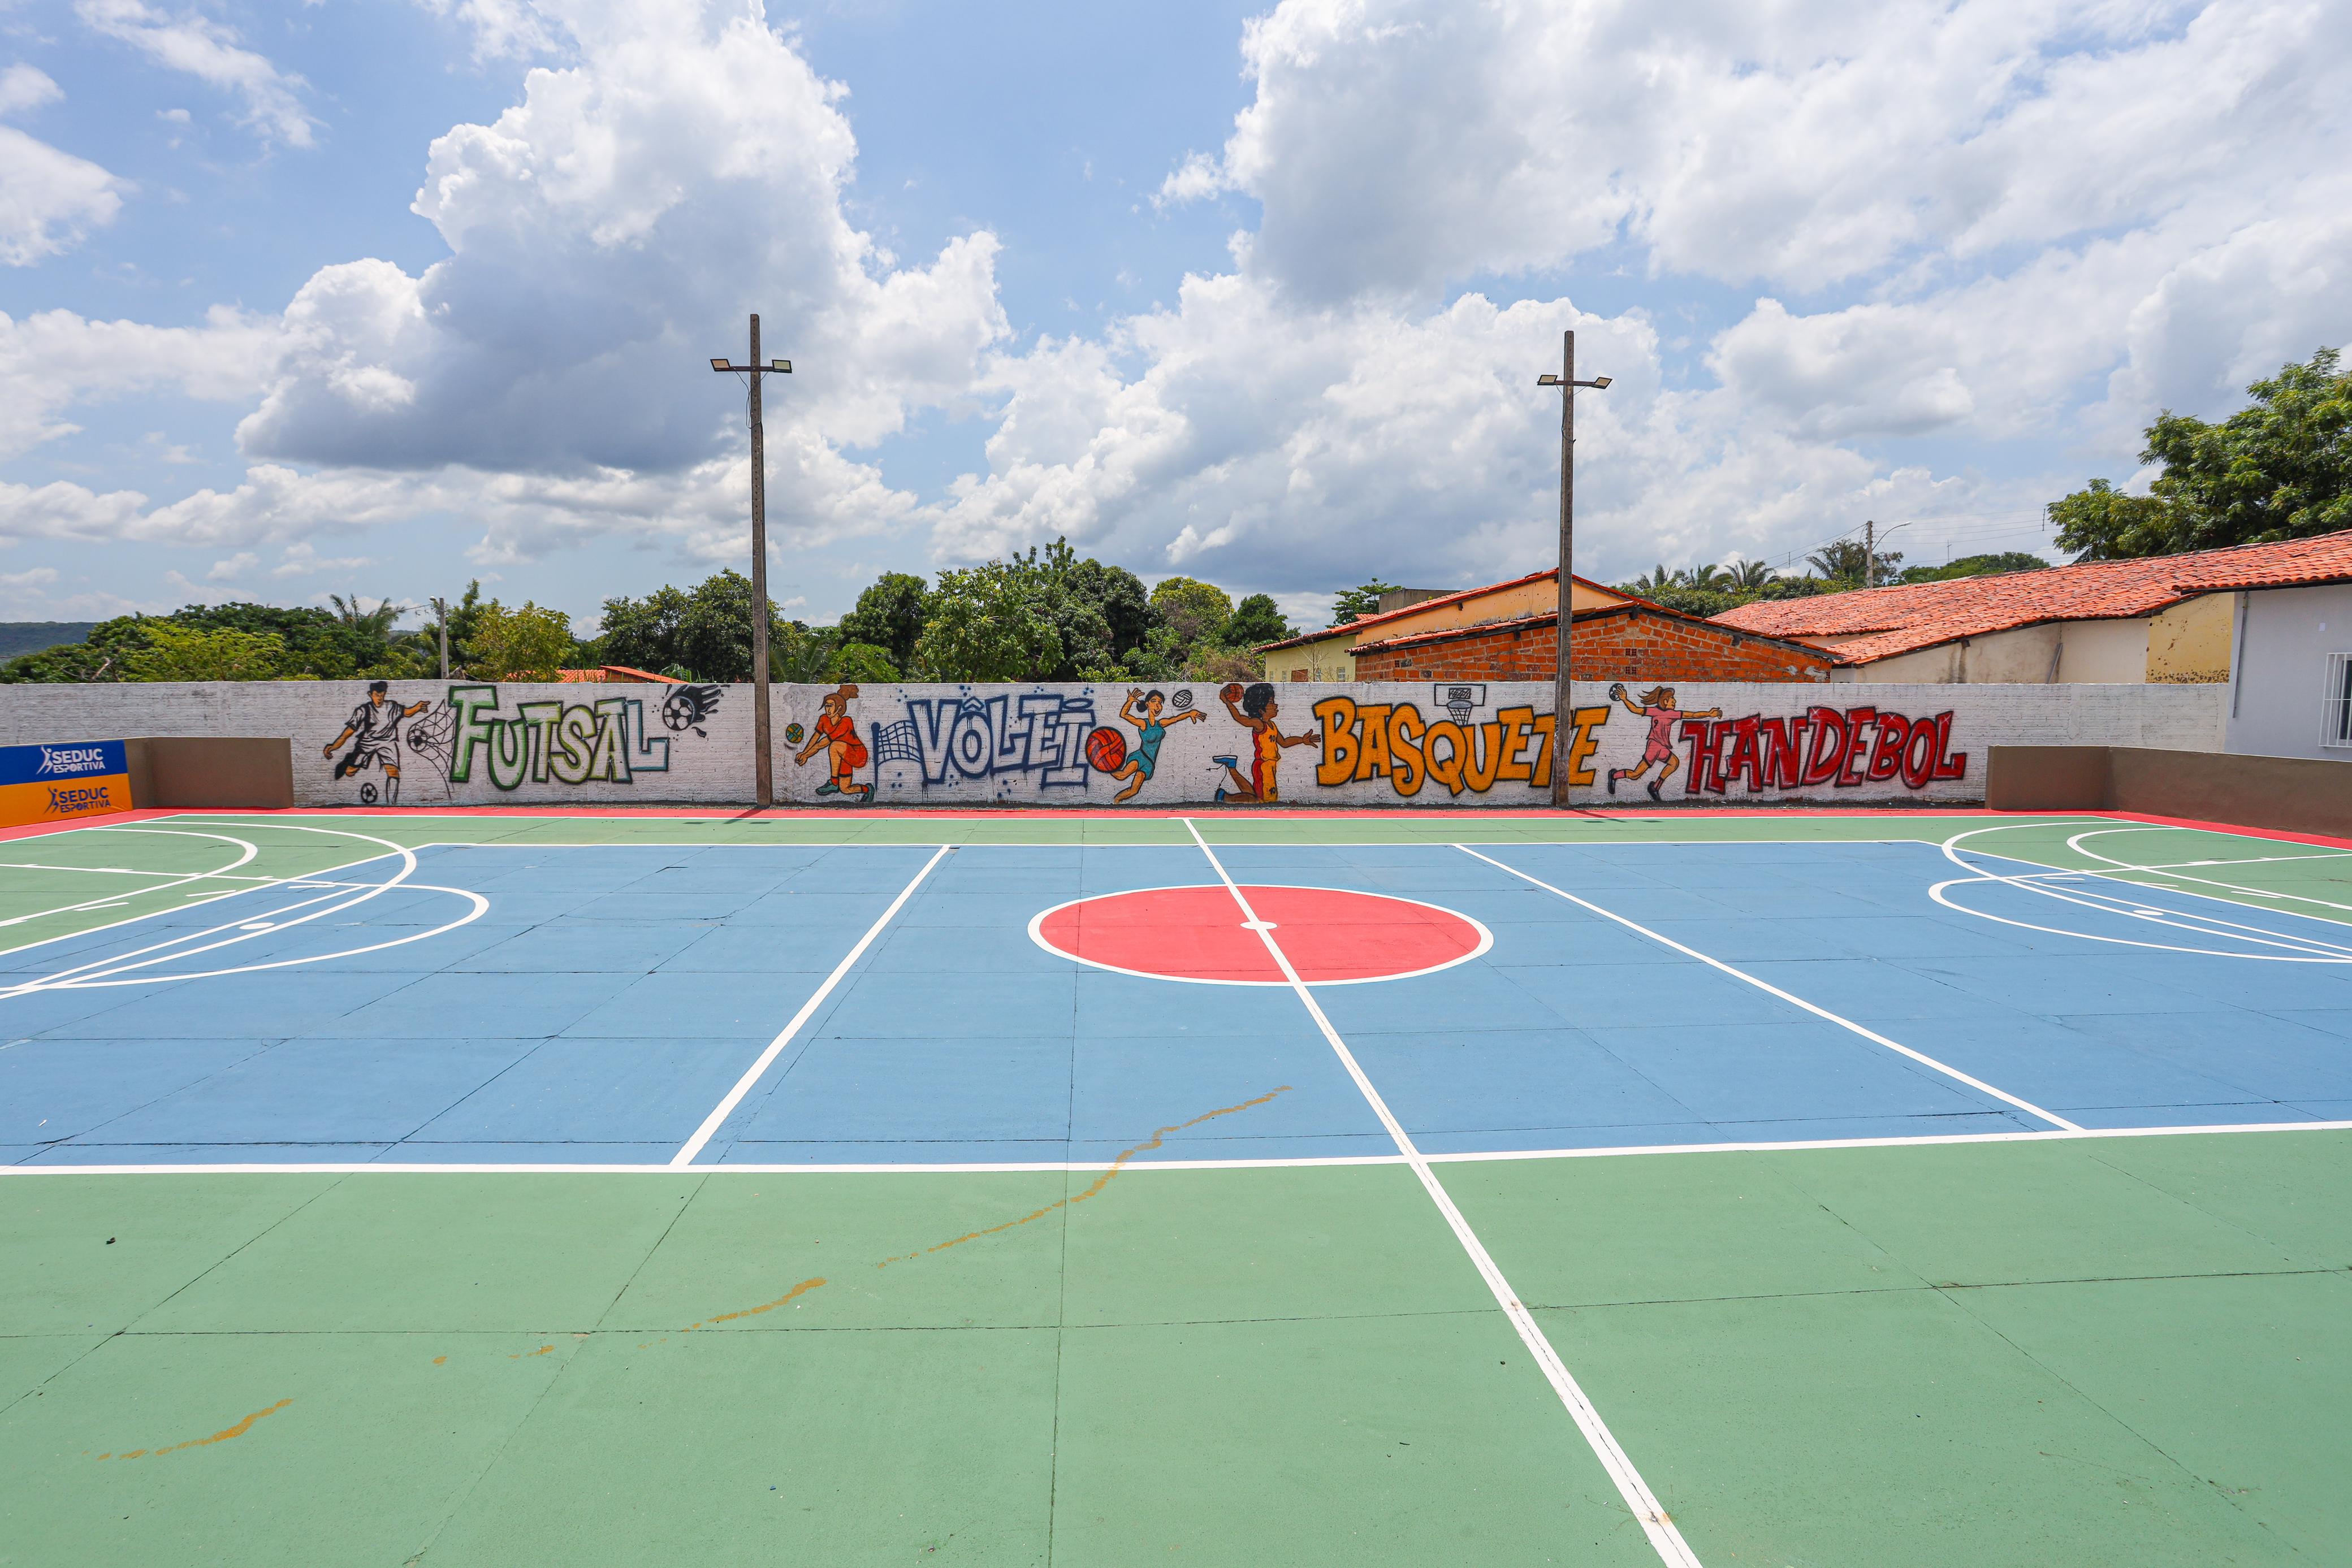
[[798, 653], [643, 633], [988, 623], [714, 632], [194, 653], [890, 616], [527, 644], [2280, 468], [1845, 561], [377, 622], [1257, 620], [2099, 522], [1196, 611], [1117, 595], [1994, 565], [1364, 599], [862, 663]]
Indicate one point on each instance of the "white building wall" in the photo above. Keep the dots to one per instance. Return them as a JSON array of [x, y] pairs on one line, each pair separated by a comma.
[[2284, 635], [1388, 744]]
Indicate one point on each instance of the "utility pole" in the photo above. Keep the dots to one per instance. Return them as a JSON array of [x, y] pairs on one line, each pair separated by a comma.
[[1563, 722], [441, 610], [764, 765], [1869, 554]]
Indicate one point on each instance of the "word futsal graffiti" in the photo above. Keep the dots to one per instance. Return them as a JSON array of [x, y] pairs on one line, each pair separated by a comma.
[[571, 743]]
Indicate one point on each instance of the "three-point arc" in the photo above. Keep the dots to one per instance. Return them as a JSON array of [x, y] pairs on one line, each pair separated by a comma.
[[1332, 936]]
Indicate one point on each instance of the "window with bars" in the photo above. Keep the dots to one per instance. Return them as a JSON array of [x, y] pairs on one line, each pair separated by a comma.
[[2336, 702]]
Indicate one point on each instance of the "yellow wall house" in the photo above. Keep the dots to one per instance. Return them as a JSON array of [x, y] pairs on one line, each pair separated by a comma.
[[1331, 655]]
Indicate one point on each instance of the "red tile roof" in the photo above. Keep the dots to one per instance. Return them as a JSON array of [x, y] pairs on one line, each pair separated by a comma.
[[1363, 622], [1884, 621]]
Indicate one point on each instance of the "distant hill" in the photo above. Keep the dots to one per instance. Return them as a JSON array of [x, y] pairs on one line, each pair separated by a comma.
[[21, 637]]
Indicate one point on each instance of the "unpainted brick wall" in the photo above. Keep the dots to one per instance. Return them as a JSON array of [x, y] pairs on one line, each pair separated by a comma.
[[1633, 647]]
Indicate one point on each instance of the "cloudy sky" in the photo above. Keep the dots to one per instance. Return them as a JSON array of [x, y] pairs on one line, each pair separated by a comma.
[[382, 296]]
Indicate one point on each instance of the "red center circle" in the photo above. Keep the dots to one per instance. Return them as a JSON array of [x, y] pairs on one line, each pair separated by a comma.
[[1330, 935]]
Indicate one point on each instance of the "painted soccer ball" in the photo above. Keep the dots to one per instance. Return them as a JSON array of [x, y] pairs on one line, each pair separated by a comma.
[[678, 709], [793, 734], [1231, 691]]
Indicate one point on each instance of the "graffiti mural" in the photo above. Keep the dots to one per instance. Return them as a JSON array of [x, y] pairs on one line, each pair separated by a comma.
[[467, 736], [835, 734], [1184, 744], [1007, 743], [373, 730]]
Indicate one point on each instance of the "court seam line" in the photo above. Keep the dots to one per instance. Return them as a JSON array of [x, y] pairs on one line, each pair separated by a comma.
[[726, 1107], [1016, 1168], [1871, 1035], [1666, 1537]]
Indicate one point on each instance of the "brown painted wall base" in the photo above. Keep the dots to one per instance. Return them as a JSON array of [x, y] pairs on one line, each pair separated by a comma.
[[207, 773], [2294, 794]]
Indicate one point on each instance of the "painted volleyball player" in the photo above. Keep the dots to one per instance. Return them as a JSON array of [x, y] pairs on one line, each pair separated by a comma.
[[1142, 710], [373, 730], [1657, 706], [1256, 710], [836, 733]]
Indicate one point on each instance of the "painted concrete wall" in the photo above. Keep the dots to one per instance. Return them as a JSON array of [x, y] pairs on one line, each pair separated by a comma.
[[2189, 642], [2094, 652], [2284, 639], [1468, 744]]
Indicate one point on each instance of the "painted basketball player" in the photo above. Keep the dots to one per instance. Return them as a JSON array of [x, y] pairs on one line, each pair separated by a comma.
[[1142, 709], [1256, 710], [373, 730], [835, 733], [1657, 706]]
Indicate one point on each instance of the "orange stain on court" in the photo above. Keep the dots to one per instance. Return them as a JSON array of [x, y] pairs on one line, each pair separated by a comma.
[[223, 1436]]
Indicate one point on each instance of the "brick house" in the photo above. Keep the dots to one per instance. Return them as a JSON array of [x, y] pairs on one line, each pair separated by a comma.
[[1632, 640]]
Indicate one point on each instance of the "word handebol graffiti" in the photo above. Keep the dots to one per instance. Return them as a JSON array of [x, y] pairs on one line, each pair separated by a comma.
[[1845, 750]]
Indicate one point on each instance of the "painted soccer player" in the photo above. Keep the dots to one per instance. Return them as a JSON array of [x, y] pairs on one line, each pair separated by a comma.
[[836, 733], [1657, 706], [373, 730], [1142, 709], [1256, 710]]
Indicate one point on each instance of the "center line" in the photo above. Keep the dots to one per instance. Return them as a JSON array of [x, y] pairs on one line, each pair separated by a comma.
[[1921, 1057], [726, 1108], [1661, 1529]]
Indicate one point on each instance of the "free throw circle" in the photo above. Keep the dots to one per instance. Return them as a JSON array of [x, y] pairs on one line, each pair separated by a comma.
[[1332, 936]]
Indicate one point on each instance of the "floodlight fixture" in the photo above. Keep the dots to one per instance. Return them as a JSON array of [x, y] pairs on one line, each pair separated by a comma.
[[719, 365], [784, 365], [1540, 380], [1598, 382]]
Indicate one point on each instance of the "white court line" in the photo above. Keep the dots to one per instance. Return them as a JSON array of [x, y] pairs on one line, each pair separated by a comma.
[[2172, 873], [1011, 1167], [1921, 1057], [725, 1108], [183, 879], [2305, 949], [1664, 1537]]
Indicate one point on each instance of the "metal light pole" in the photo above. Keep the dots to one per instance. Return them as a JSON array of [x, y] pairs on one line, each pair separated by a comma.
[[441, 614], [1563, 716], [764, 765]]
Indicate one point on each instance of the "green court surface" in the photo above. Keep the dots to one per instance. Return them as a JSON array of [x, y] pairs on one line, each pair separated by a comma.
[[1833, 1294]]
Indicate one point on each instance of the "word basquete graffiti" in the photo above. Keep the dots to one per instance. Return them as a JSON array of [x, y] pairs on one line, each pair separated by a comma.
[[943, 739]]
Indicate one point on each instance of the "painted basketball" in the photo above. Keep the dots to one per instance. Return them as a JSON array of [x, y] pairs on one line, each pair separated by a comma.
[[1107, 751], [794, 735], [1231, 691]]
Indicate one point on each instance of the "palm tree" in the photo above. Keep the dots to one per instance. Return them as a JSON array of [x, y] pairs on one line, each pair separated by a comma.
[[375, 623], [1706, 579], [1657, 581], [1750, 575]]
